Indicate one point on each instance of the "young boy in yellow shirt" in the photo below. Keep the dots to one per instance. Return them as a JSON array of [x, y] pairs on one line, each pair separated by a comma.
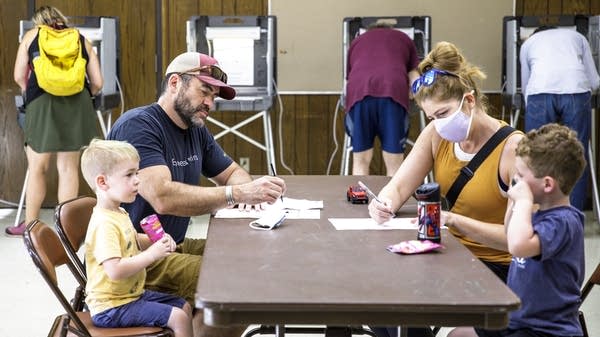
[[116, 255]]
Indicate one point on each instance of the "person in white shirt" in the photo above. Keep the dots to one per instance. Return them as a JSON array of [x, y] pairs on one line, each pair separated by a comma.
[[558, 77]]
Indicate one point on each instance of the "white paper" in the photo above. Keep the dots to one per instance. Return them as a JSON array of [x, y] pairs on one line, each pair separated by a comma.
[[370, 224], [291, 203], [233, 32], [408, 31], [236, 58], [296, 209], [235, 213]]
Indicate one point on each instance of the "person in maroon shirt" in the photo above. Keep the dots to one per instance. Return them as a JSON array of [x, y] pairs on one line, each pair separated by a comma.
[[381, 65]]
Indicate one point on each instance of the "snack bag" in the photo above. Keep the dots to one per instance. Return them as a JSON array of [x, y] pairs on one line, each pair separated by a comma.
[[152, 227], [414, 247]]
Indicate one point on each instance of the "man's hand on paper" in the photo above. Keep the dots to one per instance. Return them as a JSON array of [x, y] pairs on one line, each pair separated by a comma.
[[249, 207]]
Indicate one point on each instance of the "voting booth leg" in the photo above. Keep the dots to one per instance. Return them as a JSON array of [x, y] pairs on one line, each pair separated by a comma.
[[267, 146], [105, 122], [592, 165], [346, 151], [22, 199], [514, 118]]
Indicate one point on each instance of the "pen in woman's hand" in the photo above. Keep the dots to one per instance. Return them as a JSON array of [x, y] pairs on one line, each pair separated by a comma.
[[372, 195], [275, 175], [369, 192]]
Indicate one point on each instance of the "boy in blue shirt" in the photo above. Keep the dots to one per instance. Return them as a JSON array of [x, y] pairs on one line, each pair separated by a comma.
[[545, 237]]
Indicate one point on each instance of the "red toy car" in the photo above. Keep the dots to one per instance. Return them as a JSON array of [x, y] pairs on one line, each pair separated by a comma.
[[357, 195]]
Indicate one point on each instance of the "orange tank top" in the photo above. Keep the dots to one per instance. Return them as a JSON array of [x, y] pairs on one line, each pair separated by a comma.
[[480, 199]]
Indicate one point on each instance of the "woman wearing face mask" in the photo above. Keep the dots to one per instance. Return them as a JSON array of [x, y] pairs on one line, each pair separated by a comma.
[[448, 93]]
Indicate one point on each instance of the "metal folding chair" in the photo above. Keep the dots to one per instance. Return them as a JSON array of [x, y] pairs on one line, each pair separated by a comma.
[[591, 282], [71, 219], [48, 253]]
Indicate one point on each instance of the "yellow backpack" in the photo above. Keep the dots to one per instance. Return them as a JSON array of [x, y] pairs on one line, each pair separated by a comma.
[[60, 68]]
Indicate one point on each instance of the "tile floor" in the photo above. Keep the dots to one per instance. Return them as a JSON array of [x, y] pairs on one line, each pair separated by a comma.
[[29, 308]]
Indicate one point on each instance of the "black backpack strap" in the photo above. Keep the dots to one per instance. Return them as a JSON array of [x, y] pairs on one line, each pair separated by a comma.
[[467, 172]]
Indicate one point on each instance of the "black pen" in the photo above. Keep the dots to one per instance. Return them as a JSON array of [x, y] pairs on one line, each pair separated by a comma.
[[275, 175]]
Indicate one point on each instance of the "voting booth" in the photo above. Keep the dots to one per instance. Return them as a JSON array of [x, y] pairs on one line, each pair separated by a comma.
[[418, 28], [103, 33], [245, 49], [515, 30]]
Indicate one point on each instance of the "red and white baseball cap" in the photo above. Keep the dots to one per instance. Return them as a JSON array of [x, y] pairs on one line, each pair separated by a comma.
[[206, 68]]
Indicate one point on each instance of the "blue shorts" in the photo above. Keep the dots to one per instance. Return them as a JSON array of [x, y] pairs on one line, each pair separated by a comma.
[[382, 117], [152, 309]]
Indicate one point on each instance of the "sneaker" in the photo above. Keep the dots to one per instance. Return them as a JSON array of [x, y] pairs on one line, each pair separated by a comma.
[[16, 230]]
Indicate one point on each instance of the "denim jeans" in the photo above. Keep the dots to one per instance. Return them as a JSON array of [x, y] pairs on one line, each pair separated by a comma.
[[572, 110]]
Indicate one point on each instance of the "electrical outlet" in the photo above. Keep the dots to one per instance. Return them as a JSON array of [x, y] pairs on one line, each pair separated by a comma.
[[245, 163]]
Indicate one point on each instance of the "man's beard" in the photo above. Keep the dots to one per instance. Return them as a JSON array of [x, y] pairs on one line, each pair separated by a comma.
[[187, 112]]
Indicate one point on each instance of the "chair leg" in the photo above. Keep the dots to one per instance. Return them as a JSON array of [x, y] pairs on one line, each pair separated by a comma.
[[583, 325]]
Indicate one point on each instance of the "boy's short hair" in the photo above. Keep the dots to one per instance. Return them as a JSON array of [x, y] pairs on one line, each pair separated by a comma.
[[554, 150], [101, 156]]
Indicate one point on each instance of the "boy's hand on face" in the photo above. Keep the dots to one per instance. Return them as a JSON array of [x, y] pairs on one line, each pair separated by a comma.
[[520, 191]]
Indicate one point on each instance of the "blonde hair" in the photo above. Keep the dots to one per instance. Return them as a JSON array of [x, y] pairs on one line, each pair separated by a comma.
[[101, 156], [553, 150], [446, 56], [49, 16]]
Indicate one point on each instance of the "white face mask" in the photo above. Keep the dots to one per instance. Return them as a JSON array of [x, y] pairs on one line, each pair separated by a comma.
[[454, 128]]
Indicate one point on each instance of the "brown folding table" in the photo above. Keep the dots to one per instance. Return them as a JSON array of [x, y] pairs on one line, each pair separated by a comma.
[[307, 272]]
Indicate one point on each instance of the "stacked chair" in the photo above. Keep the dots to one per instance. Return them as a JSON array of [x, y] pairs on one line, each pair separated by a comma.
[[47, 252]]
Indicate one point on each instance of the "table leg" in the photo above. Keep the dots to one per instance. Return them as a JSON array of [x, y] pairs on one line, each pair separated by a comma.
[[279, 330], [402, 332], [338, 331]]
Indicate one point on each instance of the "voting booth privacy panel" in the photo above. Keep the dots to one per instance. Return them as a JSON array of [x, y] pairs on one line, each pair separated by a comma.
[[103, 33], [245, 49], [418, 28], [516, 29]]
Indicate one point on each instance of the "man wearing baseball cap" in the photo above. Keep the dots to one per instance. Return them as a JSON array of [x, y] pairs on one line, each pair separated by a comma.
[[175, 149]]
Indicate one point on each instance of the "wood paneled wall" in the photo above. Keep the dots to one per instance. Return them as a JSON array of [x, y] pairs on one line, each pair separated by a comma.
[[137, 64], [148, 42]]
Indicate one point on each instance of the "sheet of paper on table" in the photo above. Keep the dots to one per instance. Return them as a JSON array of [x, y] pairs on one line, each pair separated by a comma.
[[296, 209], [370, 224]]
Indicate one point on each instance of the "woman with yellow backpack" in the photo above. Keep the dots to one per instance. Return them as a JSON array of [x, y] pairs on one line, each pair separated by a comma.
[[58, 73]]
